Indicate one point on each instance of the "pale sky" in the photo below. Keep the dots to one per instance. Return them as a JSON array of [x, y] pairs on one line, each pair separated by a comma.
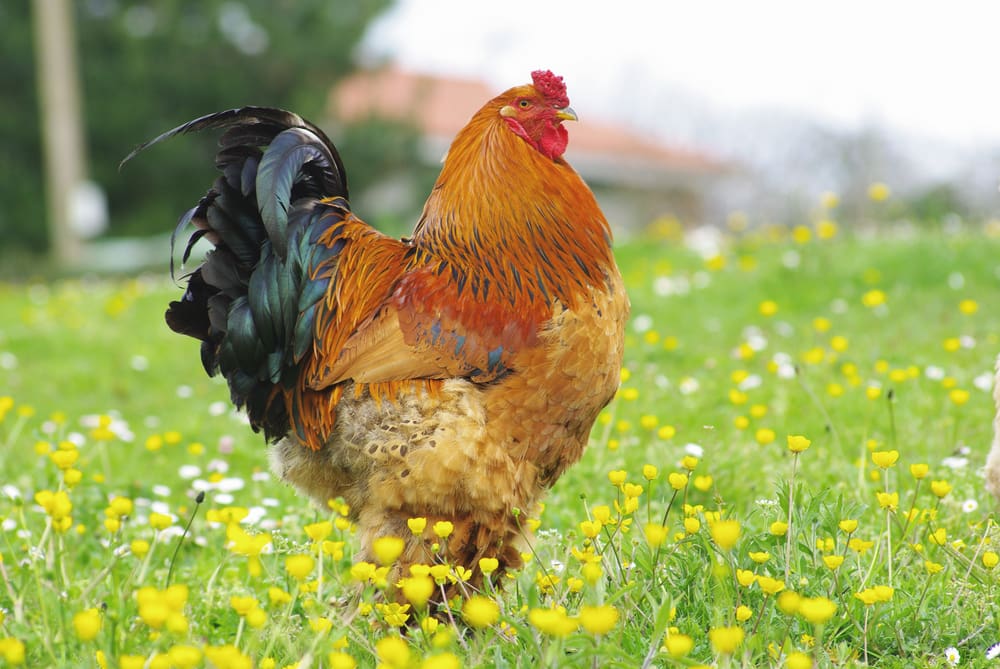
[[921, 67]]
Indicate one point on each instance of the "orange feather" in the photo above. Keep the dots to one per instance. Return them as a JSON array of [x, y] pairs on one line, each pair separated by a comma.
[[506, 234]]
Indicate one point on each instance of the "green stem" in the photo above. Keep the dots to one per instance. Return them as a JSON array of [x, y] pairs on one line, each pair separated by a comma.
[[788, 530], [888, 525]]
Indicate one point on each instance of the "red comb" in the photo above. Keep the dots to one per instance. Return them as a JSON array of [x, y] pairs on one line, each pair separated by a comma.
[[550, 86]]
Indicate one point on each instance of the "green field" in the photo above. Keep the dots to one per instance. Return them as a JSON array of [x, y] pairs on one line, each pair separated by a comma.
[[865, 345]]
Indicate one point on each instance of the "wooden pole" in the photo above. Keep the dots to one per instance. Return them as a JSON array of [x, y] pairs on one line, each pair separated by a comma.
[[62, 125]]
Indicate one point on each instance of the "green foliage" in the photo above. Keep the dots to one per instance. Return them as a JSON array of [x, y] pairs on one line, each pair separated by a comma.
[[707, 370], [148, 67]]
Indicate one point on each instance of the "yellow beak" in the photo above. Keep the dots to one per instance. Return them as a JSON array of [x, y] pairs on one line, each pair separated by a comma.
[[566, 114]]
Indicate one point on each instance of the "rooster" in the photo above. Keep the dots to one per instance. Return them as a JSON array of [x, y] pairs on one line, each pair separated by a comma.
[[452, 375]]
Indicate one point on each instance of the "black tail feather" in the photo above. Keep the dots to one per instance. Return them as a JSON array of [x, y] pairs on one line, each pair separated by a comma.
[[252, 299]]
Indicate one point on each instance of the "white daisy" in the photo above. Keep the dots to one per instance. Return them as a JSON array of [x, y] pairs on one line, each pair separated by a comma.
[[952, 656], [970, 505], [984, 382], [694, 449], [689, 385], [954, 462], [993, 652], [934, 373], [189, 471], [642, 323]]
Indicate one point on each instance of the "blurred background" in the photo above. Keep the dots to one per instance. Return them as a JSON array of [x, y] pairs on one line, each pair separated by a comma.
[[692, 115]]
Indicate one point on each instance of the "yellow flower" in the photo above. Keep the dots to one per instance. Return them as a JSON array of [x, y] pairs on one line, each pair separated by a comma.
[[488, 565], [743, 613], [879, 593], [725, 640], [940, 488], [64, 459], [277, 596], [888, 500], [299, 566], [692, 525], [159, 608], [873, 298], [592, 572], [87, 624], [553, 622], [789, 602], [617, 477], [968, 307], [256, 617], [335, 549], [338, 659], [443, 528], [798, 660], [678, 645], [878, 191], [590, 528], [745, 577], [320, 625], [442, 661], [632, 490], [933, 567], [666, 432], [860, 546], [388, 549], [655, 534], [778, 528], [319, 531], [919, 471], [650, 472], [703, 483], [394, 614], [417, 590], [160, 521], [393, 651], [816, 610], [958, 396], [848, 525], [770, 586], [990, 559], [139, 547], [764, 436], [768, 308], [184, 657], [242, 604], [797, 443], [725, 533], [760, 557], [479, 611], [417, 525], [598, 619], [441, 573], [832, 562], [939, 536], [12, 650], [885, 459], [677, 480]]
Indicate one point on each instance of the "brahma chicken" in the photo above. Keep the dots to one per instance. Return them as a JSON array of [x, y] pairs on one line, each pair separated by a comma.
[[452, 375]]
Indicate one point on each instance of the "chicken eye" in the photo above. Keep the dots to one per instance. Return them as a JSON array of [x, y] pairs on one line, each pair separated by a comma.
[[524, 104]]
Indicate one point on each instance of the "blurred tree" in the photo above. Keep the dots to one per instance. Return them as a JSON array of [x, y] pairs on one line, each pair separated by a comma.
[[146, 67], [389, 182], [937, 202]]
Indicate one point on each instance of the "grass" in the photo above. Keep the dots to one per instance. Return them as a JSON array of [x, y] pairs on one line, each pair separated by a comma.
[[141, 528]]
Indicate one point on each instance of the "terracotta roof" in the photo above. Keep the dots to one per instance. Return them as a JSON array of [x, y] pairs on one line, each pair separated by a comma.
[[440, 107]]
